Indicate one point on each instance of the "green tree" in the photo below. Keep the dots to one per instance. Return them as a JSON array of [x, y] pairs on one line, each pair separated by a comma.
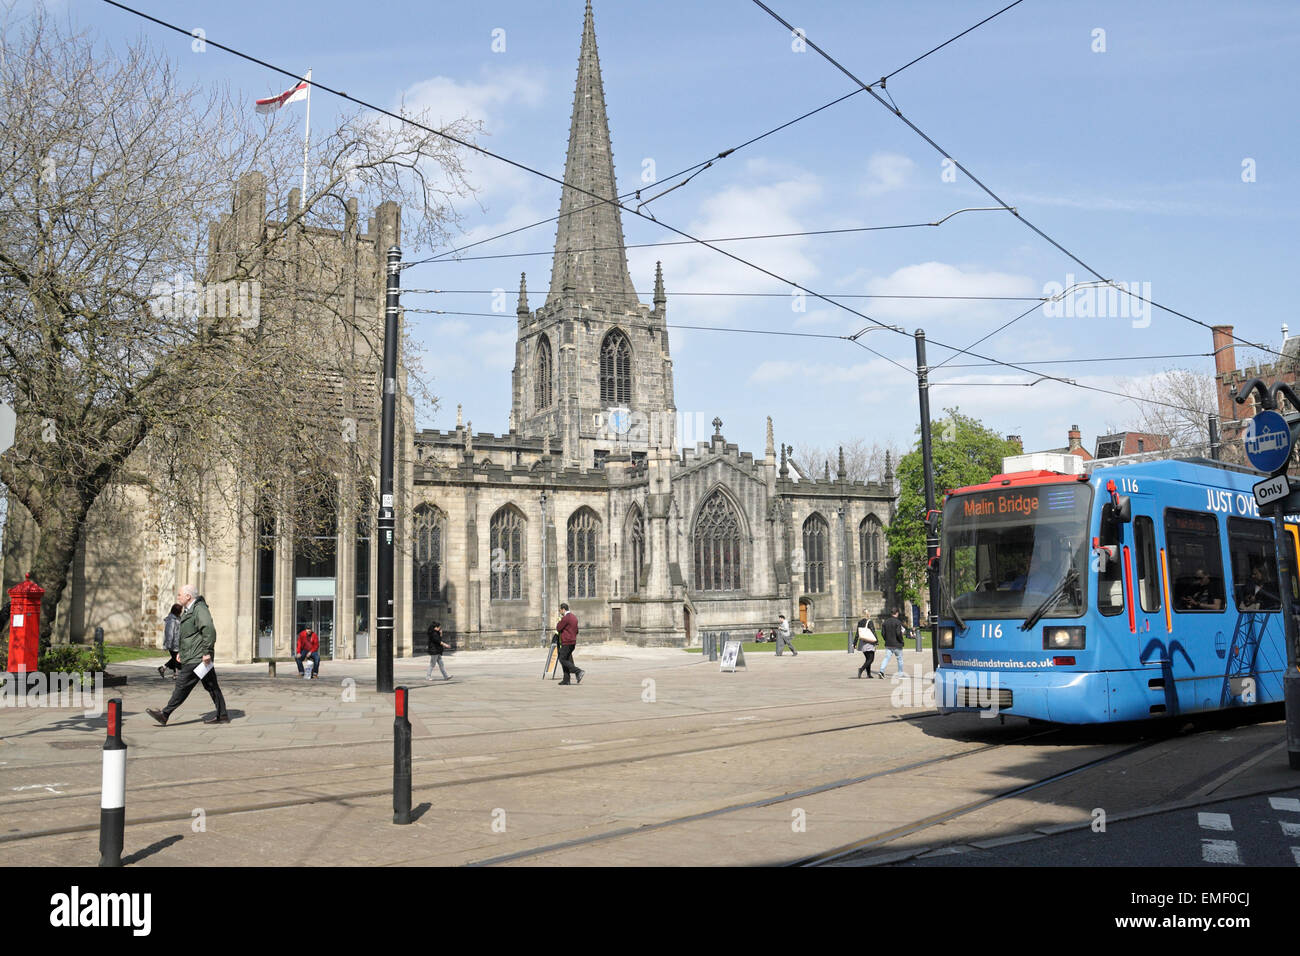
[[965, 452]]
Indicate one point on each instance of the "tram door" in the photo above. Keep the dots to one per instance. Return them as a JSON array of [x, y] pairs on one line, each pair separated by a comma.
[[317, 614]]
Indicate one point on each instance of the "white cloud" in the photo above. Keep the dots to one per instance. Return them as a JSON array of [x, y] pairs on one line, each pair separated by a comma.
[[780, 206], [448, 99], [943, 279], [491, 102], [886, 172]]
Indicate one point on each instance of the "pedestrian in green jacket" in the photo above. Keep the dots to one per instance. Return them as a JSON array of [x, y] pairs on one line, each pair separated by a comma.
[[198, 640]]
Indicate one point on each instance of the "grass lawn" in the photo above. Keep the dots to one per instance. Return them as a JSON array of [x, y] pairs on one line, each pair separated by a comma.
[[833, 641], [113, 653]]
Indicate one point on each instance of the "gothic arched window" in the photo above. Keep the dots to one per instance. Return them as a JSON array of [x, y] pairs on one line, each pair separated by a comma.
[[428, 532], [634, 548], [869, 541], [717, 546], [542, 374], [814, 554], [506, 541], [584, 533], [615, 370]]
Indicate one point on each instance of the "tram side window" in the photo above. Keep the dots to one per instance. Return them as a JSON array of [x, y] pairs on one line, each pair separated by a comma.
[[1110, 575], [1195, 560], [1254, 565], [1148, 567]]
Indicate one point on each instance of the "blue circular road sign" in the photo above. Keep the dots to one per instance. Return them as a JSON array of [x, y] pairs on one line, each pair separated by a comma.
[[1268, 441]]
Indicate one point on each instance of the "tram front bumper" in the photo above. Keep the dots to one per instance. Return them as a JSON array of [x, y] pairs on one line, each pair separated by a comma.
[[1066, 697]]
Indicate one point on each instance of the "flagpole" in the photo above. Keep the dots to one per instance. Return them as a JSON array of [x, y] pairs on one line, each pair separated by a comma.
[[306, 141]]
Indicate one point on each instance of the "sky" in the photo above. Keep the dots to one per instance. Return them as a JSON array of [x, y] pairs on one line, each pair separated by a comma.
[[1154, 141]]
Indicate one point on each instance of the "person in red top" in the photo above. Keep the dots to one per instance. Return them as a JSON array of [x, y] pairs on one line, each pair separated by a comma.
[[308, 646], [567, 629]]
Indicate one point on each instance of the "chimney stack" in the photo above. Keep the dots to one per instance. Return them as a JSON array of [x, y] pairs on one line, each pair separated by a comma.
[[1075, 442], [1225, 353]]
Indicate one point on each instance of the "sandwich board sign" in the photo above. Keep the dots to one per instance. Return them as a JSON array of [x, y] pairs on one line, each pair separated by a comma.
[[732, 657]]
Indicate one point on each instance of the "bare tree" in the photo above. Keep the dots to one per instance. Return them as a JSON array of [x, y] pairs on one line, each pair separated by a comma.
[[1175, 403], [862, 460], [111, 353]]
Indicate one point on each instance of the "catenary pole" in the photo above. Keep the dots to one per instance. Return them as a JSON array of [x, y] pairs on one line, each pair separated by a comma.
[[384, 620], [927, 469]]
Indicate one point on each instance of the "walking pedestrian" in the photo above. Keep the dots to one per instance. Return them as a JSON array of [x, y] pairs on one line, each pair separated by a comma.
[[894, 632], [867, 642], [783, 636], [567, 628], [171, 640], [435, 651], [195, 645]]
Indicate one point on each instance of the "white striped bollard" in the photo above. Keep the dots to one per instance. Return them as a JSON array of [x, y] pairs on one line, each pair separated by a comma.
[[112, 800], [401, 759]]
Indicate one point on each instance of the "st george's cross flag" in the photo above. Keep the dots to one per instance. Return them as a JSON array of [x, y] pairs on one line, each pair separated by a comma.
[[273, 103]]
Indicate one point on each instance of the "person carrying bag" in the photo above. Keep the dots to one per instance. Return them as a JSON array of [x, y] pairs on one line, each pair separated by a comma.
[[866, 644]]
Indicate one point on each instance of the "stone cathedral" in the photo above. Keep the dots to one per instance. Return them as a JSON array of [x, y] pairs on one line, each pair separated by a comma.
[[585, 499]]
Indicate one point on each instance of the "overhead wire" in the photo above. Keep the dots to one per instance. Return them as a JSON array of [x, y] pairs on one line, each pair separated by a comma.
[[690, 242], [695, 169], [600, 199], [947, 154], [511, 162]]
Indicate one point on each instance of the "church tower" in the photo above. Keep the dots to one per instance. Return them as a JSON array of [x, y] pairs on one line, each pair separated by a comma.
[[592, 365]]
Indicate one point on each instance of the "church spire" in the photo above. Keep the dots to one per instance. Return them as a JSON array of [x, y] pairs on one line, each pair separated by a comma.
[[522, 308], [589, 250], [660, 299]]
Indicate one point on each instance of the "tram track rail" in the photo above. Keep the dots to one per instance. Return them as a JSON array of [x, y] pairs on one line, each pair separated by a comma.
[[384, 768]]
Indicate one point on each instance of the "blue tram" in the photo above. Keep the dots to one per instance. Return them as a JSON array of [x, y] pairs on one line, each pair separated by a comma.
[[1135, 591]]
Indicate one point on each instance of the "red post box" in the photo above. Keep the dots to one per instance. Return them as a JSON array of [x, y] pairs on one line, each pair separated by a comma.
[[25, 624]]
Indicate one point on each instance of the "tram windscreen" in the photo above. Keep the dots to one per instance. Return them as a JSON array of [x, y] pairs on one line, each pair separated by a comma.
[[1008, 551]]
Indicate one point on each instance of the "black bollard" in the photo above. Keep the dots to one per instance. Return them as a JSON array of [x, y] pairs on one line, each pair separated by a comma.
[[401, 760], [112, 799]]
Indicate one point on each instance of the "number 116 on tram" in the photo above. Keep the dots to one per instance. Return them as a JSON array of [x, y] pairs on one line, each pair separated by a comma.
[[1137, 591]]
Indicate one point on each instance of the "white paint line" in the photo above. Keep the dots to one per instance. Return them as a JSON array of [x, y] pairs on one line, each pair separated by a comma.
[[1220, 851], [1295, 854], [1285, 803], [1290, 829], [1214, 821]]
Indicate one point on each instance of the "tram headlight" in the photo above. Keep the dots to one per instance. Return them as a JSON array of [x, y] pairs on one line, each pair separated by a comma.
[[1063, 638], [945, 637]]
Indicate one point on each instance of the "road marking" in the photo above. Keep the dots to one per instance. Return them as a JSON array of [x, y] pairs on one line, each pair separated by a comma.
[[1290, 829], [41, 786], [1285, 803], [1220, 851], [1214, 821], [1295, 854]]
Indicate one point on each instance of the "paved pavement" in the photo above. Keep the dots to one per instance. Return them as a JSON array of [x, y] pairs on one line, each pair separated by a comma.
[[656, 758], [1260, 830]]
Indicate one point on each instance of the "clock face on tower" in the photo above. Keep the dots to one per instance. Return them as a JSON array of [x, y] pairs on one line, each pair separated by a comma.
[[618, 422]]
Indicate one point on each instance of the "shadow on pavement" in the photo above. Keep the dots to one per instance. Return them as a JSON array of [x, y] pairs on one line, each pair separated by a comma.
[[152, 848]]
